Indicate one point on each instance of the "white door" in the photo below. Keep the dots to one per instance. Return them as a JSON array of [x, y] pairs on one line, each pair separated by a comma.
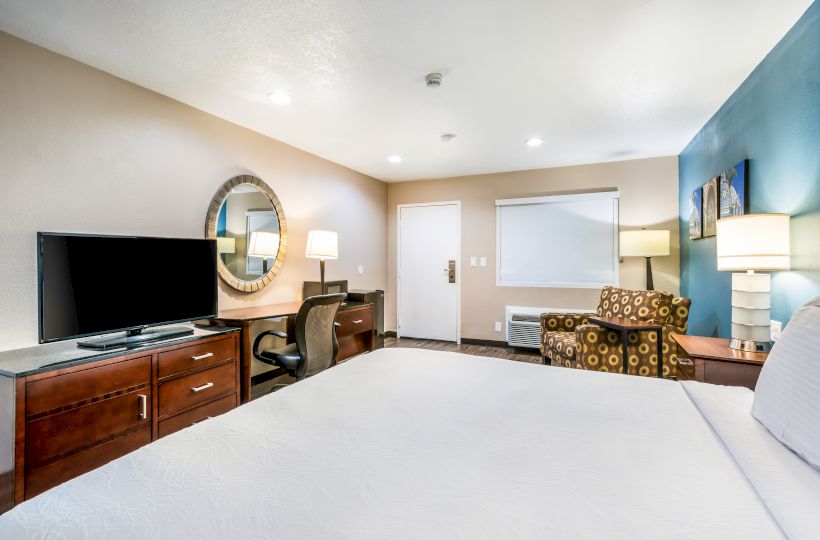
[[428, 294]]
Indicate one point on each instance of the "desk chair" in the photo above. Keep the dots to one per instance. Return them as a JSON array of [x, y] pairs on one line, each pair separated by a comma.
[[316, 346]]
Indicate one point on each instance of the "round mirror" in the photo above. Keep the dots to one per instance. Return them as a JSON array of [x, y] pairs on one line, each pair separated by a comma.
[[247, 221]]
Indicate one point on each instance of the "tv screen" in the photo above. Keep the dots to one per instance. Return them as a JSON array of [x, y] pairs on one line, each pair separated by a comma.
[[98, 284]]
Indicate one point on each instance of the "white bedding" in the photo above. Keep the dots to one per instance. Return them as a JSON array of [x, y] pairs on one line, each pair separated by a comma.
[[407, 443]]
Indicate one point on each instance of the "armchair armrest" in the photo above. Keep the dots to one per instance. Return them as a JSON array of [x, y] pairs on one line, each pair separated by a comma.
[[598, 348], [562, 322]]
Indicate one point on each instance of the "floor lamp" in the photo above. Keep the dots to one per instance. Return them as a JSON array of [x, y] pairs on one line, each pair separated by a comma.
[[646, 244], [322, 245], [752, 242]]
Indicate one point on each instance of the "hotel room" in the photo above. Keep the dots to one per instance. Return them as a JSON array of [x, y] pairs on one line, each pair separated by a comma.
[[400, 270]]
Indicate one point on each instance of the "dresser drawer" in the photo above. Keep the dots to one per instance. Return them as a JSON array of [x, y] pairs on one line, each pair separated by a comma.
[[354, 321], [61, 433], [203, 412], [40, 479], [83, 385], [196, 388], [195, 357]]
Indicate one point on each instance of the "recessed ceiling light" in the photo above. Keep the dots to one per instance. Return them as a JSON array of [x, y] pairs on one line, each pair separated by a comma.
[[533, 142], [280, 98], [394, 159]]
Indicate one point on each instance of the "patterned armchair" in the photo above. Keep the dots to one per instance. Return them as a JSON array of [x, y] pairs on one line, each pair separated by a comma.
[[570, 340]]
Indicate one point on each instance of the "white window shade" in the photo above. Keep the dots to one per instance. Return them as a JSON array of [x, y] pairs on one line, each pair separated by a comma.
[[557, 241]]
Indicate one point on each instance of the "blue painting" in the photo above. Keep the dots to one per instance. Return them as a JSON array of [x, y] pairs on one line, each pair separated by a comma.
[[695, 214], [734, 190]]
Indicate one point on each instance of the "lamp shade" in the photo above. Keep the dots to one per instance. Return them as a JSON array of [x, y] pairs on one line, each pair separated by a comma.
[[263, 244], [753, 242], [322, 245], [644, 243], [226, 245]]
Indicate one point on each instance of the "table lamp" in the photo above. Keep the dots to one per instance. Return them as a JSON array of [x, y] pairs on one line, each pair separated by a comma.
[[645, 243], [322, 245], [265, 245], [752, 242]]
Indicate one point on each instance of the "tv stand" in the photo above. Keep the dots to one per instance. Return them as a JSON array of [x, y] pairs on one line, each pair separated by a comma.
[[135, 338]]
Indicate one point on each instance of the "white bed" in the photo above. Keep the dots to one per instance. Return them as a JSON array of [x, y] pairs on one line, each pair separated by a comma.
[[407, 443]]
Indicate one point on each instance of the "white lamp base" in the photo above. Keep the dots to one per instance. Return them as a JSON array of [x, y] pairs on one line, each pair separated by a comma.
[[751, 312]]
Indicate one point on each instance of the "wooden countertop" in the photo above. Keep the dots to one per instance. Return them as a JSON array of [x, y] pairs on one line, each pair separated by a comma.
[[716, 349]]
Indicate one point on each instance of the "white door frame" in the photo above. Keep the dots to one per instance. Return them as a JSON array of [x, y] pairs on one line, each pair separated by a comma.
[[458, 261]]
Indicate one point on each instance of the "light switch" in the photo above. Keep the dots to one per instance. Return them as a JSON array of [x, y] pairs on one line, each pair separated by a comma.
[[483, 261], [472, 261]]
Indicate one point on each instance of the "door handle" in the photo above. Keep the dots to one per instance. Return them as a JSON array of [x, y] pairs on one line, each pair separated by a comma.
[[203, 387], [143, 407], [358, 322], [451, 271], [202, 356]]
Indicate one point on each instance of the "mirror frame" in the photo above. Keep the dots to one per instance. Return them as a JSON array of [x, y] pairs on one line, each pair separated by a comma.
[[210, 232]]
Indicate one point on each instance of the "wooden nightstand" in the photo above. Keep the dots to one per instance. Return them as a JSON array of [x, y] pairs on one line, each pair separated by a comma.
[[711, 360]]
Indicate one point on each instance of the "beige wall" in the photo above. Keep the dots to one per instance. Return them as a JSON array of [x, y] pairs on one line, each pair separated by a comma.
[[83, 151], [649, 197]]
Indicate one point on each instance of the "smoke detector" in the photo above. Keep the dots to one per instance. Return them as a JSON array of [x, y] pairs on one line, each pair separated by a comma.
[[433, 80]]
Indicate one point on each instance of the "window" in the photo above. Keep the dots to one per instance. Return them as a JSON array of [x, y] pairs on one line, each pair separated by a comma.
[[557, 241]]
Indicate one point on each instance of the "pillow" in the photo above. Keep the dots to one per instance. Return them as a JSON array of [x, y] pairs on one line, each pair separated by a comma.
[[787, 396]]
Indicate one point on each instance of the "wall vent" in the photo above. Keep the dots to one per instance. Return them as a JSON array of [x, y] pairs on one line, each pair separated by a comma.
[[524, 325]]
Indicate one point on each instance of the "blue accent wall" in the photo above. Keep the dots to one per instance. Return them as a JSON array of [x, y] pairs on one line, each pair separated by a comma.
[[773, 120]]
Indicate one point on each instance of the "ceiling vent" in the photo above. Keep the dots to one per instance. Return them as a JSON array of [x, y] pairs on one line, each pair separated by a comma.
[[433, 80]]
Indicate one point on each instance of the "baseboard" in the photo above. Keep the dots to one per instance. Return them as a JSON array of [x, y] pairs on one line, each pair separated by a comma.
[[484, 342], [471, 341]]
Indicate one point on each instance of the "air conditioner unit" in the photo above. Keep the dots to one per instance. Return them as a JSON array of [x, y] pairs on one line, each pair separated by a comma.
[[524, 325]]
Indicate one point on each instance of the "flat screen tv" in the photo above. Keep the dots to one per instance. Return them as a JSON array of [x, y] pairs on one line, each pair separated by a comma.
[[90, 285]]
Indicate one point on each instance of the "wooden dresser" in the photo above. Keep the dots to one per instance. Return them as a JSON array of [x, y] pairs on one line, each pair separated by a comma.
[[72, 416]]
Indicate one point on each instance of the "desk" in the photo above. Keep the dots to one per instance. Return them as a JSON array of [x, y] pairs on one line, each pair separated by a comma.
[[625, 326], [351, 342]]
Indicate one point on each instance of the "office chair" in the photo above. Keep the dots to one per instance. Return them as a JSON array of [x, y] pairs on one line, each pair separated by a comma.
[[316, 345]]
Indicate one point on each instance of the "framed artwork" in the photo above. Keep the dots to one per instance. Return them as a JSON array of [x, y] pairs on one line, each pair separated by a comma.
[[710, 207], [696, 214], [733, 186]]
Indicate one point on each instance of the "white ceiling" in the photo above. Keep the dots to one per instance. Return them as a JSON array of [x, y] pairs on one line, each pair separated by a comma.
[[597, 80]]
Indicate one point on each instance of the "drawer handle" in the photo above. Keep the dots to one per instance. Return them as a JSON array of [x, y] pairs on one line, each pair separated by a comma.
[[337, 324], [202, 356], [143, 407], [357, 322], [203, 387], [684, 361]]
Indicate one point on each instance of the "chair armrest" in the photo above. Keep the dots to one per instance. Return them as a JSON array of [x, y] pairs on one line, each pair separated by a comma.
[[263, 335], [562, 322]]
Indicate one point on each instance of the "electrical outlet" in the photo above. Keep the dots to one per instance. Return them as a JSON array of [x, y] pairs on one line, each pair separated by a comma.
[[776, 328], [483, 261], [473, 261], [498, 326]]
